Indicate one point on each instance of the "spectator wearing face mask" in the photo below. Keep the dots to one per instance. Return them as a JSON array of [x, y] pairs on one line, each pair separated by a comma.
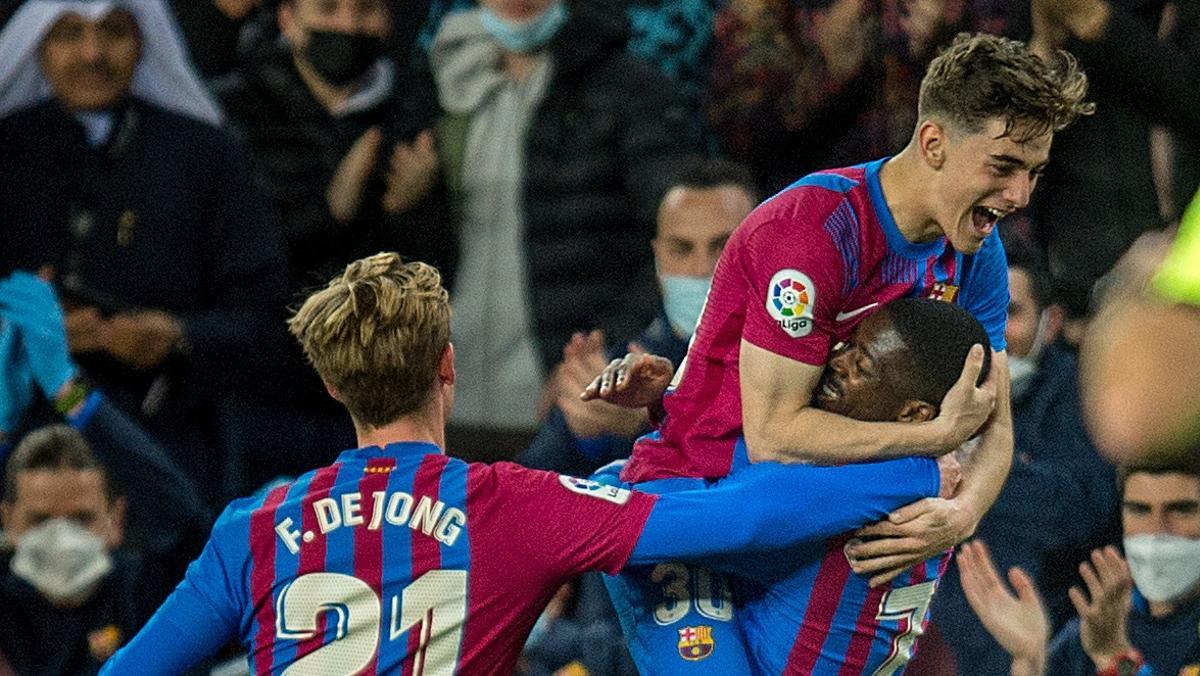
[[1054, 464], [1140, 612], [705, 203], [340, 137], [558, 147]]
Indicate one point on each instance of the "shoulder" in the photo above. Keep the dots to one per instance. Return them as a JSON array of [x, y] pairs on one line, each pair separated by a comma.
[[799, 212], [186, 134]]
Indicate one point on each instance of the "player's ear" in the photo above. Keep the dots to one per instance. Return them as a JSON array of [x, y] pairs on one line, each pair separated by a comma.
[[333, 392], [917, 411], [446, 372], [931, 139]]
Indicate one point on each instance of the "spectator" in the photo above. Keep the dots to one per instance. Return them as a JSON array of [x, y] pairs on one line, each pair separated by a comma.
[[1054, 463], [1138, 617], [798, 86], [557, 147], [1099, 194], [341, 141], [112, 175], [705, 203]]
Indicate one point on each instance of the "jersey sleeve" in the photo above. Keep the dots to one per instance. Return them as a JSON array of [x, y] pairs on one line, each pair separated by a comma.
[[571, 525], [985, 290], [1178, 280], [196, 620], [793, 278], [769, 506]]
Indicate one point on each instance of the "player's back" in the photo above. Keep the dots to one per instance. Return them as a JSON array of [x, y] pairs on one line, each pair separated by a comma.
[[821, 619], [402, 560]]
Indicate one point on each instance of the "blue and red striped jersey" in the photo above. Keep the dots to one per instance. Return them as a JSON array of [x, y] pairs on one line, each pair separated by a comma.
[[395, 560], [796, 277], [821, 619]]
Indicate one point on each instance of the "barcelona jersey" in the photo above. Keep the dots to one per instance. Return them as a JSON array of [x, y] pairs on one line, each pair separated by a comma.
[[397, 560], [795, 278]]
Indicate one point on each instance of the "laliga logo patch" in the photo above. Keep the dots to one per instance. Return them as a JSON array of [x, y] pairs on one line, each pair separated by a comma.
[[594, 489], [791, 297], [696, 643]]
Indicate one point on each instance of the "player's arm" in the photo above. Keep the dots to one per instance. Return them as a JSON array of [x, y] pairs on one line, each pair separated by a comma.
[[781, 424], [1138, 369], [199, 617], [773, 506]]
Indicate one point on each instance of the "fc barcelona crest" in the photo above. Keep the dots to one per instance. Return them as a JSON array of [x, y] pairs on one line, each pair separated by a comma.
[[696, 643], [944, 291]]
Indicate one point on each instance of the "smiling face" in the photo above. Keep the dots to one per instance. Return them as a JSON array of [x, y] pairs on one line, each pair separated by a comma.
[[981, 177], [855, 383], [90, 64]]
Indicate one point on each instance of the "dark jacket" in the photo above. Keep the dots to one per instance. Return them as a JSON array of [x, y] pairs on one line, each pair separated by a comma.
[[164, 216], [1098, 194], [557, 449], [296, 146], [1054, 464], [599, 155], [1171, 644]]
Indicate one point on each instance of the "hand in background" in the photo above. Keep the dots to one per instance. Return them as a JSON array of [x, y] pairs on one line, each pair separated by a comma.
[[922, 20], [29, 302], [1103, 616], [1017, 622], [583, 356], [84, 330], [345, 192], [236, 10], [842, 38], [411, 174], [142, 339]]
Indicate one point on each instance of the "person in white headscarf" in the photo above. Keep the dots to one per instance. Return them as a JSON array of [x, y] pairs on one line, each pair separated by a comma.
[[115, 177]]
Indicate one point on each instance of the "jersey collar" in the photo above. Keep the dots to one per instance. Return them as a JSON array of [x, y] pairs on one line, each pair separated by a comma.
[[402, 449]]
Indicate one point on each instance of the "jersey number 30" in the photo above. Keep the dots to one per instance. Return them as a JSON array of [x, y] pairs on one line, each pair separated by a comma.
[[435, 606]]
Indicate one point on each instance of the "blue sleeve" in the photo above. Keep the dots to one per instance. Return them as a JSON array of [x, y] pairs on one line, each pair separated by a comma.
[[985, 288], [197, 619], [769, 506]]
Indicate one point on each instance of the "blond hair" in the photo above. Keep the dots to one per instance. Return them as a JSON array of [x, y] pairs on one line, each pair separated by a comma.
[[983, 77], [376, 334]]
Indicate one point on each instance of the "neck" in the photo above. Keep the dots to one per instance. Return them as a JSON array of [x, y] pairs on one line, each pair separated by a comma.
[[329, 96], [905, 188], [519, 66], [428, 425]]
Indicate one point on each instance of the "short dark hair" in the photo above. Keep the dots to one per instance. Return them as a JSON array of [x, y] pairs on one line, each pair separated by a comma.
[[981, 77], [705, 173], [1126, 471], [938, 336], [48, 448], [1024, 255]]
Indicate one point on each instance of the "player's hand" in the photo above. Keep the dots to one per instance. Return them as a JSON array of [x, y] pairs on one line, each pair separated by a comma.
[[31, 305], [1102, 620], [142, 339], [966, 407], [16, 380], [638, 380], [911, 534], [1017, 622], [583, 356]]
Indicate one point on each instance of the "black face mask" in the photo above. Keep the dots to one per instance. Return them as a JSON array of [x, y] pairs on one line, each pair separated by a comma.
[[341, 58]]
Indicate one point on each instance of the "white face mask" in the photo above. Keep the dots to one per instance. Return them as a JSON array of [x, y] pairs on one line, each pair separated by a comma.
[[683, 301], [62, 560], [1165, 567], [1021, 370]]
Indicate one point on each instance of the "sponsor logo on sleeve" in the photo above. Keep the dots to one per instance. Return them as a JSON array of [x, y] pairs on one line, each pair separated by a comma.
[[696, 643], [595, 489], [791, 297]]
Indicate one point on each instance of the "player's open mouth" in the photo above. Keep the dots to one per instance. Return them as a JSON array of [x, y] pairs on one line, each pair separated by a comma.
[[984, 219]]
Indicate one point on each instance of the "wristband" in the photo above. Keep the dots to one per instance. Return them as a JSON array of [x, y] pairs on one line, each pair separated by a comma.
[[73, 397], [81, 417], [1127, 663]]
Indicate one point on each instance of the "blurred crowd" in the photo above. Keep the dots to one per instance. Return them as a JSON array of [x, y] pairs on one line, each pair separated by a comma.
[[176, 174]]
